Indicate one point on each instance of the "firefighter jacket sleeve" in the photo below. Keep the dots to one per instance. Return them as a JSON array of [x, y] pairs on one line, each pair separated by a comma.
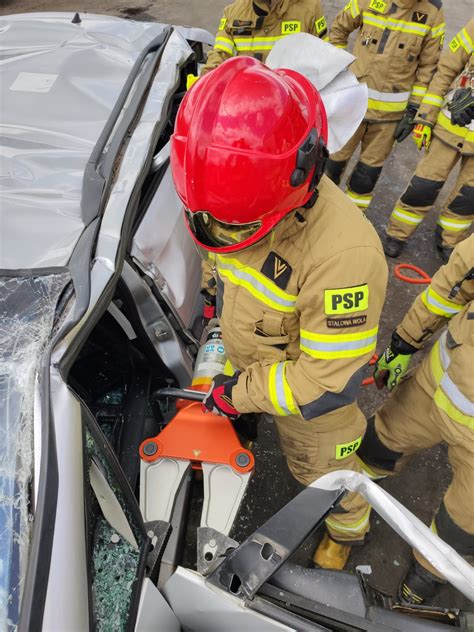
[[338, 305], [346, 21], [444, 298], [428, 58], [451, 64], [224, 46]]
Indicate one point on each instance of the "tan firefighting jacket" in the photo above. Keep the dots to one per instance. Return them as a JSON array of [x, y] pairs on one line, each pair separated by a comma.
[[397, 49], [455, 69], [301, 309], [252, 28], [449, 299]]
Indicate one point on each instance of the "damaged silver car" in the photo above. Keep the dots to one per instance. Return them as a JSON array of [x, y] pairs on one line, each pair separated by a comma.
[[99, 332]]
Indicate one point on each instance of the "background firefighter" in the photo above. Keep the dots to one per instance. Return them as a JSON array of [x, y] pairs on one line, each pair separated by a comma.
[[397, 49], [451, 143], [301, 272], [434, 404]]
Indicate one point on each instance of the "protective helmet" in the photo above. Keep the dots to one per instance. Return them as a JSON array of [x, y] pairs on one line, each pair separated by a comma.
[[248, 148]]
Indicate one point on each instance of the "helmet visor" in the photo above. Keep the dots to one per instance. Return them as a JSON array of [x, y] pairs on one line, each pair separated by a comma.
[[212, 233]]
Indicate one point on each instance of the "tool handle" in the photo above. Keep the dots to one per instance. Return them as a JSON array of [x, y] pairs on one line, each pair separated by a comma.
[[179, 393]]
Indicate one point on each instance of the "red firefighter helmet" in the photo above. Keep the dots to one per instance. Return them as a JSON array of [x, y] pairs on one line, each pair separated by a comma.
[[248, 148]]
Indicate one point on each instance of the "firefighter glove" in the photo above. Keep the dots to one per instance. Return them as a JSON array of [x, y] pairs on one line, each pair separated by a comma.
[[462, 107], [393, 363], [422, 136], [218, 399], [209, 310], [406, 125]]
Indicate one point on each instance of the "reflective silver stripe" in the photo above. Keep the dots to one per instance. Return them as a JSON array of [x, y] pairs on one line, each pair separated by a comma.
[[466, 42], [455, 395], [256, 287], [443, 352], [348, 345], [388, 97], [280, 388], [431, 300]]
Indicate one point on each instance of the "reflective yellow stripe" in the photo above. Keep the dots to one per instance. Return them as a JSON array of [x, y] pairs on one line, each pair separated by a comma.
[[395, 25], [353, 7], [438, 305], [435, 363], [463, 132], [280, 391], [465, 41], [354, 527], [340, 45], [225, 44], [438, 31], [407, 217], [418, 91], [257, 43], [337, 346], [454, 225], [385, 106], [256, 283], [432, 99], [368, 470], [443, 401], [362, 201]]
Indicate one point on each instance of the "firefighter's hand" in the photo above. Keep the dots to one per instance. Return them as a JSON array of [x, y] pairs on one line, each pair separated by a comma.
[[462, 107], [209, 310], [390, 368], [422, 136], [406, 125], [393, 363], [218, 400]]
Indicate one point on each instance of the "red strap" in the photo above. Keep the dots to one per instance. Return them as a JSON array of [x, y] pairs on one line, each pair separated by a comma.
[[423, 278], [209, 311]]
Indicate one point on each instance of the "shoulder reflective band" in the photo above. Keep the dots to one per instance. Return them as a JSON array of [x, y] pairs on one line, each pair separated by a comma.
[[290, 26], [343, 450], [353, 7], [465, 41], [407, 217], [256, 283], [321, 25], [222, 24], [338, 346], [346, 300], [358, 527], [454, 225], [225, 44], [432, 99], [280, 392], [438, 31], [381, 22], [438, 305]]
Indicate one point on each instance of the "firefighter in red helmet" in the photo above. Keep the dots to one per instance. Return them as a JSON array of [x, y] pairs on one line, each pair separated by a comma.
[[301, 273]]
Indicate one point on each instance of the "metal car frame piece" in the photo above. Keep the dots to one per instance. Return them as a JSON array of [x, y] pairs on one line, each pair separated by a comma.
[[255, 587]]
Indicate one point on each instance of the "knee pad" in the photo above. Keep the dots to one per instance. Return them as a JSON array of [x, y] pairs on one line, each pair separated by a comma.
[[364, 178], [421, 192], [373, 452], [334, 169], [463, 203], [452, 534]]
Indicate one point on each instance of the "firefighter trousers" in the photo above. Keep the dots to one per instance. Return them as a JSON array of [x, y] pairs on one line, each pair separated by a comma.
[[457, 213], [324, 444], [410, 420], [376, 140]]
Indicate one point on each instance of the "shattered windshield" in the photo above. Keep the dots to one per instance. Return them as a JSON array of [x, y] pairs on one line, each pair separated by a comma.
[[27, 309]]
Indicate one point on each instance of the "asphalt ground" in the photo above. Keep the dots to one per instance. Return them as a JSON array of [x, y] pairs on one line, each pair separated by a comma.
[[421, 485]]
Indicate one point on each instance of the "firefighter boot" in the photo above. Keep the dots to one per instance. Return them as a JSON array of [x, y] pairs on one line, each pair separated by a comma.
[[392, 247], [418, 585], [331, 554], [444, 250]]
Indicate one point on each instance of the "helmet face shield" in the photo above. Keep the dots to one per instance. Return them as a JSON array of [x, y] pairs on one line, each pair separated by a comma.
[[214, 234]]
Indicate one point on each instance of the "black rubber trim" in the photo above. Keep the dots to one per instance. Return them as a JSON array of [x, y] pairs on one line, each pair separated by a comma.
[[97, 174], [386, 34]]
